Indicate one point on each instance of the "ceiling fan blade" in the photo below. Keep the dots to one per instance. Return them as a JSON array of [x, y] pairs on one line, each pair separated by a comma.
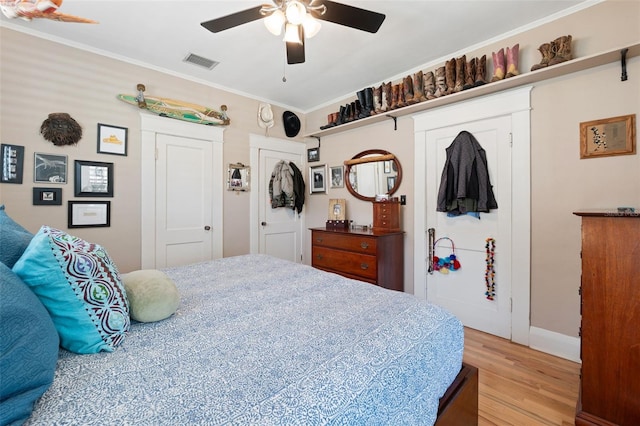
[[350, 16], [233, 20], [295, 53]]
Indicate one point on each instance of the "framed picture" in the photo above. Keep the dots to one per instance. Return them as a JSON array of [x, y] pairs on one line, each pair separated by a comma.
[[337, 177], [88, 214], [12, 163], [391, 182], [93, 179], [318, 179], [610, 136], [47, 196], [238, 177], [387, 166], [313, 155], [337, 209], [49, 168], [112, 139]]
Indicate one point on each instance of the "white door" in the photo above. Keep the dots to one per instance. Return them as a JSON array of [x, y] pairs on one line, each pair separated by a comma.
[[278, 231], [183, 200], [463, 291]]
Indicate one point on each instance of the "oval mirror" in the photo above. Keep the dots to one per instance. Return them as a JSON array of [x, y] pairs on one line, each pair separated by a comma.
[[372, 172]]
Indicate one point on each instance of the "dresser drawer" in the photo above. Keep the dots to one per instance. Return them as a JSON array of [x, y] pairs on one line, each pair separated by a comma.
[[357, 243], [362, 265]]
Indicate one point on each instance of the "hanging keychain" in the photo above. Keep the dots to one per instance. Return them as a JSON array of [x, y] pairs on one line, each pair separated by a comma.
[[445, 264]]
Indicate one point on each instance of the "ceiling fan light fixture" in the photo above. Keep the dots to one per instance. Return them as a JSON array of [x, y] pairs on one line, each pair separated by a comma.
[[292, 34], [311, 26], [295, 12], [274, 22]]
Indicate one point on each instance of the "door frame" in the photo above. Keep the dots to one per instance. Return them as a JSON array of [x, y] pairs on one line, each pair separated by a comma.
[[517, 104], [256, 143], [150, 126]]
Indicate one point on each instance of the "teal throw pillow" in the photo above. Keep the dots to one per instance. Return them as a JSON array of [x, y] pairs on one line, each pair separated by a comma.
[[80, 287], [13, 239]]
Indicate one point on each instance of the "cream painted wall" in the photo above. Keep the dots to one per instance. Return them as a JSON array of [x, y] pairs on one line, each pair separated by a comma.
[[40, 77], [561, 182]]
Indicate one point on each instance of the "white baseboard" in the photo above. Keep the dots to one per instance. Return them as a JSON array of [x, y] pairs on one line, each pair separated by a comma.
[[553, 343]]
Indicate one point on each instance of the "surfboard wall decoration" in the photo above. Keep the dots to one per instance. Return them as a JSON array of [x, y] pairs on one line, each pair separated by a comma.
[[179, 110]]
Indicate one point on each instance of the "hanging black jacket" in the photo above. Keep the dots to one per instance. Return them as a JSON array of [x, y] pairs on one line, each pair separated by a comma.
[[465, 185], [298, 187]]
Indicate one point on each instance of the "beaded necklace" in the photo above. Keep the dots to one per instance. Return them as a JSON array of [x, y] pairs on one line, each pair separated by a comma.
[[490, 274]]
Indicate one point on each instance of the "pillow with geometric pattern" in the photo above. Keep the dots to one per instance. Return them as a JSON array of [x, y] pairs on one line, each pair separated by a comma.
[[80, 287]]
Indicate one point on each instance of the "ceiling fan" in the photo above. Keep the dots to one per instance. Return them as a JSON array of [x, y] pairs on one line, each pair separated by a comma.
[[299, 19]]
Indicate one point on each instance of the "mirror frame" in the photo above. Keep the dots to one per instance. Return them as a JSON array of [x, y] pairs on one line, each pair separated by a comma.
[[360, 156]]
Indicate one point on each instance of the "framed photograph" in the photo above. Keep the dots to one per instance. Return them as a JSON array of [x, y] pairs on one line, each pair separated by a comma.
[[47, 196], [313, 155], [239, 177], [610, 136], [12, 163], [337, 209], [387, 166], [337, 177], [318, 179], [93, 179], [88, 214], [391, 182], [49, 168], [112, 139]]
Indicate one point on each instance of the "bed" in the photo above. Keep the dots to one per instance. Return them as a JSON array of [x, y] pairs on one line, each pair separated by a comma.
[[259, 340]]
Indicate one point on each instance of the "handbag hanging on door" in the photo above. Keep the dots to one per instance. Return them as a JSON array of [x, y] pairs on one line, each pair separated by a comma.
[[445, 264]]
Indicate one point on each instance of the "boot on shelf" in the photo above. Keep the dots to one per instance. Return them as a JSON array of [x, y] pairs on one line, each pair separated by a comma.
[[429, 85], [368, 101], [395, 89], [450, 75], [401, 101], [498, 65], [512, 61], [377, 100], [545, 51], [441, 83], [387, 95], [461, 64], [418, 87], [408, 92], [469, 74], [561, 50], [481, 71]]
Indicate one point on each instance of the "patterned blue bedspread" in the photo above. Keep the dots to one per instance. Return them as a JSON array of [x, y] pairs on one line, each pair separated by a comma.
[[257, 340]]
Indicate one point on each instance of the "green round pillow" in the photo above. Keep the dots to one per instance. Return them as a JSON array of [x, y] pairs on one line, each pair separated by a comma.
[[152, 295]]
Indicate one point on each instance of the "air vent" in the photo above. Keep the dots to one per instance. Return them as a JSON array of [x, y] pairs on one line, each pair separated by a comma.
[[201, 61]]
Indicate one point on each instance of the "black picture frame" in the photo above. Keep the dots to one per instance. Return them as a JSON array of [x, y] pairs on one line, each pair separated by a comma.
[[12, 163], [313, 155], [112, 139], [49, 168], [93, 179], [88, 214], [47, 196]]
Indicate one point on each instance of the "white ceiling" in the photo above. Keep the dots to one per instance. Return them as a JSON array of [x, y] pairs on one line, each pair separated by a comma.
[[339, 60]]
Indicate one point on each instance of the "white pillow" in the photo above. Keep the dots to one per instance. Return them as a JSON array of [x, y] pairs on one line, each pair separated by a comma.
[[152, 295]]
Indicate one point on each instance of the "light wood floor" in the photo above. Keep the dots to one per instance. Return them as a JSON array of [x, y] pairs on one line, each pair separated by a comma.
[[520, 386]]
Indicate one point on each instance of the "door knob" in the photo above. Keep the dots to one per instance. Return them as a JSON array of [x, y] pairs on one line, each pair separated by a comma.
[[207, 228], [263, 223]]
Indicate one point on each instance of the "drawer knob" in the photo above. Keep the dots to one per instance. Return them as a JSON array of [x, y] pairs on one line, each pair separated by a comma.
[[319, 256], [318, 240], [364, 245], [364, 266]]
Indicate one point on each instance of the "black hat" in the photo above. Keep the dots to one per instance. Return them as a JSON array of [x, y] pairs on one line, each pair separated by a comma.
[[291, 123]]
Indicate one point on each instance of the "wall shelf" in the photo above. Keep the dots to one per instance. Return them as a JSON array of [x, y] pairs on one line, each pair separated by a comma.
[[574, 65]]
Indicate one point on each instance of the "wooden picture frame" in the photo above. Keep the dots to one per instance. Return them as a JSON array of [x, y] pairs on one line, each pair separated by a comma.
[[337, 177], [12, 163], [607, 137], [313, 155], [93, 179], [112, 139], [337, 209], [49, 168], [318, 179], [89, 214], [47, 196]]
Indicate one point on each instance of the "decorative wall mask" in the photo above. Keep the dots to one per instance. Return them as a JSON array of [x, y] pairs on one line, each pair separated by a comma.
[[61, 129]]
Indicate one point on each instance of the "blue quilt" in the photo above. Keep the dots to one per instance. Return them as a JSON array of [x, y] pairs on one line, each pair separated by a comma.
[[258, 340]]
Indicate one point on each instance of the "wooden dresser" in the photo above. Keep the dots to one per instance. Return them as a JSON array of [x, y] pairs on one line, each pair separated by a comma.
[[371, 256], [610, 329]]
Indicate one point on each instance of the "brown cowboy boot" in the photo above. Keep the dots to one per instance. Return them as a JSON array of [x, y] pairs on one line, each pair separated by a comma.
[[481, 71], [429, 85], [460, 73], [469, 74], [418, 87], [441, 82], [512, 61], [386, 96], [395, 89], [377, 100], [498, 65], [407, 90], [401, 102], [561, 49], [545, 51], [450, 75]]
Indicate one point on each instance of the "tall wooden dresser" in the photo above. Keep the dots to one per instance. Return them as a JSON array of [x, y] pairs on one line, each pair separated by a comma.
[[373, 256], [610, 329]]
